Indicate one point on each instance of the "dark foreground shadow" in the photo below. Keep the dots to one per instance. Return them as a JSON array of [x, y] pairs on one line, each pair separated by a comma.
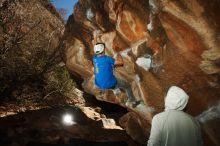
[[81, 142]]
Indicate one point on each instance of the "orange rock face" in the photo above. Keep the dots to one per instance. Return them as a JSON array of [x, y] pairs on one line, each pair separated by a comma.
[[177, 38]]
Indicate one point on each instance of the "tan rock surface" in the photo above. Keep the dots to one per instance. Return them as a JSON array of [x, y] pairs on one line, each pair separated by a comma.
[[182, 43]]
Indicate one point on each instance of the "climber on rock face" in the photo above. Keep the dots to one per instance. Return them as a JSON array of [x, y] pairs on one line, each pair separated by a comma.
[[173, 127], [104, 77]]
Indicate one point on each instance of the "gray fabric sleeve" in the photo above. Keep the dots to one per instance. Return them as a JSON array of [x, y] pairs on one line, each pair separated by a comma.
[[155, 134], [199, 140]]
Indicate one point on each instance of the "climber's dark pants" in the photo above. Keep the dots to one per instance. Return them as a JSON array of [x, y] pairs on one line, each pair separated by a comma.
[[121, 84]]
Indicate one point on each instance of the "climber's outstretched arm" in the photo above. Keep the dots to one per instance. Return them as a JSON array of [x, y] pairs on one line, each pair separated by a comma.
[[119, 60]]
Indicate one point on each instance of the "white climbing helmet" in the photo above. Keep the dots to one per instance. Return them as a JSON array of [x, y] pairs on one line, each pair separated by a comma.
[[99, 48]]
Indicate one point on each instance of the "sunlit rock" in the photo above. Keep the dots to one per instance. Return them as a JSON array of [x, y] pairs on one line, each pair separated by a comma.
[[163, 43], [144, 63]]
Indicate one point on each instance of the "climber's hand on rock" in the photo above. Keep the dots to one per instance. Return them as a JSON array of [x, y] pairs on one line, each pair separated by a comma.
[[119, 60]]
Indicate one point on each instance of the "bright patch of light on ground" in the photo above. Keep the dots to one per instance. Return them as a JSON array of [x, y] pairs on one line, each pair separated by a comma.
[[68, 119]]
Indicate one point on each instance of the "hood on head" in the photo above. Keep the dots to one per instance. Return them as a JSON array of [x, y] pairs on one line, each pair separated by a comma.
[[176, 99]]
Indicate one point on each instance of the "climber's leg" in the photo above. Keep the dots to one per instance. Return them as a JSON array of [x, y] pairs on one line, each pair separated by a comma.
[[125, 86]]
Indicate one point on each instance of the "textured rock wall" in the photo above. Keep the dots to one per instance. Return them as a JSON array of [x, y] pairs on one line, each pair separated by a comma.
[[163, 43]]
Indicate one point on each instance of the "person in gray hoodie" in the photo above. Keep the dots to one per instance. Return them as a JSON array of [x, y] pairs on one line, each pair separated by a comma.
[[173, 127]]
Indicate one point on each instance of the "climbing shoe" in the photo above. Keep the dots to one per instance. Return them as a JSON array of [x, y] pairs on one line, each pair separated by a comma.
[[133, 103], [116, 91]]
